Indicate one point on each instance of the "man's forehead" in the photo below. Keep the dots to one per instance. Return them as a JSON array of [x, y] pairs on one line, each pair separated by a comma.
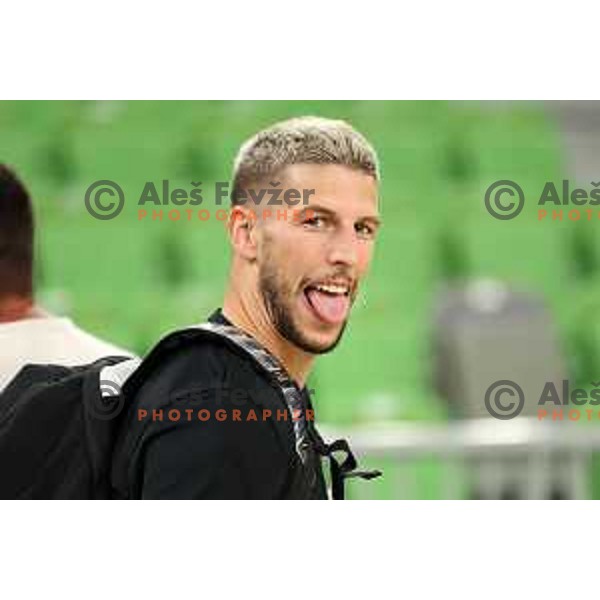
[[331, 184]]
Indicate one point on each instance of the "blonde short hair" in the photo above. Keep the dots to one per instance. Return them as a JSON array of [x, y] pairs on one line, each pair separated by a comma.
[[313, 140]]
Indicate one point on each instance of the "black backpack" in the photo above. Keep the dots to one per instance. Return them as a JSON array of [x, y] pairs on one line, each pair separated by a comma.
[[58, 425]]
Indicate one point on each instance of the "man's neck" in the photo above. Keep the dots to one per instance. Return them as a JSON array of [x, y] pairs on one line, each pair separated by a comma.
[[17, 308], [297, 362]]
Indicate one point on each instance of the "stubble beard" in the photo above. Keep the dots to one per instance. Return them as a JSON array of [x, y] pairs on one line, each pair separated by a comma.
[[278, 299]]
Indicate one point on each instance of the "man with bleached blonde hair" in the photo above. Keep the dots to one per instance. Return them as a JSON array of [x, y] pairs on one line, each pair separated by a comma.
[[291, 286]]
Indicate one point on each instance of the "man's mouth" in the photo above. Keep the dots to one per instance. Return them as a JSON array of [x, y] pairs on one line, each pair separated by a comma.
[[329, 301]]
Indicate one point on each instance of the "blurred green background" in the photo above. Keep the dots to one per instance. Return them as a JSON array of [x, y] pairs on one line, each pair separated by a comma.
[[129, 281]]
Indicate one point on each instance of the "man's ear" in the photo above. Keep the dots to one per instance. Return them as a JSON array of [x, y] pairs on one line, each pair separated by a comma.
[[242, 228]]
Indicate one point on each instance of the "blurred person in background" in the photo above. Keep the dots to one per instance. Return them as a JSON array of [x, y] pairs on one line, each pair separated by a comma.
[[29, 334]]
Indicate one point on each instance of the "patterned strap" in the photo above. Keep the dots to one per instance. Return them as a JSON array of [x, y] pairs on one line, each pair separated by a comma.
[[290, 390], [306, 436]]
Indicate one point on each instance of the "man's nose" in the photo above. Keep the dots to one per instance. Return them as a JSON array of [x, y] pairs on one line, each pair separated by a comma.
[[344, 248]]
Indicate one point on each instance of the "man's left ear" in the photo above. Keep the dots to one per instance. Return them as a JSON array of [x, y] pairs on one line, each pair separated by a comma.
[[242, 232]]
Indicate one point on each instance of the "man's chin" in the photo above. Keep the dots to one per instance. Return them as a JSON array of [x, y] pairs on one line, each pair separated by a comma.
[[315, 344]]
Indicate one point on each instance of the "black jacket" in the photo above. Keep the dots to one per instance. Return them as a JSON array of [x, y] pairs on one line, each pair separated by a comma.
[[161, 456]]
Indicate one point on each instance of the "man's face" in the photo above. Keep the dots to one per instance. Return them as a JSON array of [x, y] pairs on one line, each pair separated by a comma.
[[309, 269]]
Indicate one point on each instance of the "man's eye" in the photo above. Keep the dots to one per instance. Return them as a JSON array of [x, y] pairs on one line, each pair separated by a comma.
[[315, 222], [365, 231]]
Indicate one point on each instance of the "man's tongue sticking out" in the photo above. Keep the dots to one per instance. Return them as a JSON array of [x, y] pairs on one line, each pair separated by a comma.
[[331, 308]]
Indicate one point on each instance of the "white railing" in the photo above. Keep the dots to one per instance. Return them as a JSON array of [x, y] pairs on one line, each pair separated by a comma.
[[484, 458]]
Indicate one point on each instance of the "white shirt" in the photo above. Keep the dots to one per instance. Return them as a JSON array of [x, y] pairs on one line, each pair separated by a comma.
[[48, 340]]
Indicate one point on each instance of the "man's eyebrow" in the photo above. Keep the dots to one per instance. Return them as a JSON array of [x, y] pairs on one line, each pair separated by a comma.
[[316, 208], [374, 219]]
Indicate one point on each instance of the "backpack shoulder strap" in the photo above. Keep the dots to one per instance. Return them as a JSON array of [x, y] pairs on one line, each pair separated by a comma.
[[239, 341], [305, 436], [339, 470]]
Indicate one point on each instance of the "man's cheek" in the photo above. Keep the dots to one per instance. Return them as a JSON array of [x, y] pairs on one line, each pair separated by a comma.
[[365, 256]]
